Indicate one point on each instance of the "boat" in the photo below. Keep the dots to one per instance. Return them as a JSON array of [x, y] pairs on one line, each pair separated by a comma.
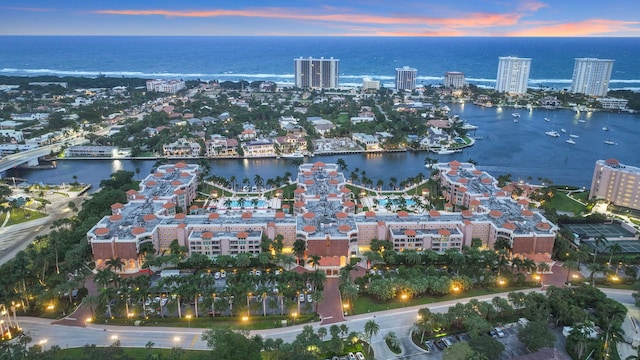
[[467, 126], [516, 115], [552, 133], [605, 128], [515, 120], [563, 130], [547, 119], [570, 141], [445, 151], [295, 155], [574, 135], [610, 142]]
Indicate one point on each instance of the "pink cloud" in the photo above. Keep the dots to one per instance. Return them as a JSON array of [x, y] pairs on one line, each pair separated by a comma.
[[533, 5], [473, 20], [25, 9], [581, 28]]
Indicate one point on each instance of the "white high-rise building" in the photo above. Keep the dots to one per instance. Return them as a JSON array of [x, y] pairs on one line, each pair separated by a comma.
[[406, 78], [591, 76], [454, 80], [513, 75], [316, 73]]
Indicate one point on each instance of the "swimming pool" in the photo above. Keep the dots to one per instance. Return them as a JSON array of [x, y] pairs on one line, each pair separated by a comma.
[[408, 202], [247, 204]]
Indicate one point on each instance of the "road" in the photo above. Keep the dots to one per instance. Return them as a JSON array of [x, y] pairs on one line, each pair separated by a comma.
[[398, 320]]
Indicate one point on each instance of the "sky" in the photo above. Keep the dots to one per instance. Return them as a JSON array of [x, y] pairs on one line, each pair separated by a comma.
[[515, 18]]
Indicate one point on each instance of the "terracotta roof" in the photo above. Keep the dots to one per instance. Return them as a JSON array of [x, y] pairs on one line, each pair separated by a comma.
[[333, 195], [179, 192], [246, 215], [444, 232], [402, 214], [463, 180], [345, 190], [329, 261], [467, 213], [434, 213], [477, 172], [158, 174], [410, 232], [184, 174], [509, 226], [180, 216], [349, 203], [341, 215], [299, 190], [474, 202], [151, 183], [333, 173], [286, 206], [370, 214], [495, 213], [309, 182], [344, 228], [176, 183], [180, 165], [306, 174], [207, 235], [131, 192], [213, 216], [542, 226], [168, 205], [117, 206], [309, 215], [149, 217], [454, 163], [309, 229], [114, 218], [334, 182], [280, 215], [486, 180], [298, 204], [138, 230], [527, 213], [318, 164], [242, 234], [612, 162], [452, 173], [102, 231], [169, 169]]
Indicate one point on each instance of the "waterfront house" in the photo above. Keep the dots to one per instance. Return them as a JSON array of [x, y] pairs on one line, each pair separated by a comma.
[[182, 148]]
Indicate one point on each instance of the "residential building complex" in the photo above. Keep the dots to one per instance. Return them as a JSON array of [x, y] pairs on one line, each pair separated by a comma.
[[316, 73], [513, 75], [324, 216], [168, 86], [591, 76], [454, 80], [406, 78], [617, 183]]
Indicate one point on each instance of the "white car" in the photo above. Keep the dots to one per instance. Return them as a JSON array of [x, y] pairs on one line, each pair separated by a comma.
[[360, 355], [352, 356], [277, 272], [499, 332], [301, 298], [223, 274], [309, 298], [258, 272], [216, 275]]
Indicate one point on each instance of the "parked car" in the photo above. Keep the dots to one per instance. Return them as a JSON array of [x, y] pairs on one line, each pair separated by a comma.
[[360, 355], [447, 342], [301, 298], [277, 272], [352, 356], [258, 272], [499, 332], [493, 333], [216, 275], [309, 298], [223, 274], [440, 345]]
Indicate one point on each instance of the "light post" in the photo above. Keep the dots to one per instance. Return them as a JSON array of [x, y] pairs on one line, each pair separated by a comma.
[[42, 343], [294, 314], [176, 340], [404, 299], [346, 308], [189, 320], [298, 296], [248, 308], [130, 316], [455, 290]]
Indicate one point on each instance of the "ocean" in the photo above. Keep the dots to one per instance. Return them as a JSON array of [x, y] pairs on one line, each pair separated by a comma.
[[271, 58]]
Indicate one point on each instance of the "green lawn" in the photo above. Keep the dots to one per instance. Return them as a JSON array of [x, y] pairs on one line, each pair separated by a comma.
[[365, 304], [140, 353], [22, 215], [562, 203]]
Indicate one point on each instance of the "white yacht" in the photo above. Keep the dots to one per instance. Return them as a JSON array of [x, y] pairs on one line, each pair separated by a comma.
[[295, 155], [570, 141], [552, 133]]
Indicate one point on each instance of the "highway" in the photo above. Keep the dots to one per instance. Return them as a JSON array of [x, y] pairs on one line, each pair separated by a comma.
[[398, 320]]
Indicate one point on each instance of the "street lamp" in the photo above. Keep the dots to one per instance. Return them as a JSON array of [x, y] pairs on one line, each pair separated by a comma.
[[188, 316], [404, 298], [455, 290], [345, 306], [42, 343], [176, 340], [294, 314], [130, 316]]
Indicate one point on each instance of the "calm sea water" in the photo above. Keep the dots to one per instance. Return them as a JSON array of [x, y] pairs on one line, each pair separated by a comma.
[[521, 149], [271, 58]]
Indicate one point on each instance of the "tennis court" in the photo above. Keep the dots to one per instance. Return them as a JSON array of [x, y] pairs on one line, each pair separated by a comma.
[[628, 246], [590, 231]]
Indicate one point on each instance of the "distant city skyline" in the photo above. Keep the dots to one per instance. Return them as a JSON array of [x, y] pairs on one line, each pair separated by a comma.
[[526, 18]]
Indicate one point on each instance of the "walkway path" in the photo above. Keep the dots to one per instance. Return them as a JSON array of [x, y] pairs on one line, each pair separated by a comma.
[[330, 307]]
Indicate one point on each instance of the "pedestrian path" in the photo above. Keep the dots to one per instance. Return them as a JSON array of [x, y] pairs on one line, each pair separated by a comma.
[[330, 307]]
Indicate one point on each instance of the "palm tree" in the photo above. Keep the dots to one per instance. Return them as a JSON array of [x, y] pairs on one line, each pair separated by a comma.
[[599, 241], [342, 165], [257, 180], [116, 264], [614, 248], [570, 265], [371, 328], [299, 247], [314, 260]]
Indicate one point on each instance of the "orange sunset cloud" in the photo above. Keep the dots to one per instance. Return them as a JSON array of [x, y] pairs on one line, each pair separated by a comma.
[[581, 28], [473, 20]]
